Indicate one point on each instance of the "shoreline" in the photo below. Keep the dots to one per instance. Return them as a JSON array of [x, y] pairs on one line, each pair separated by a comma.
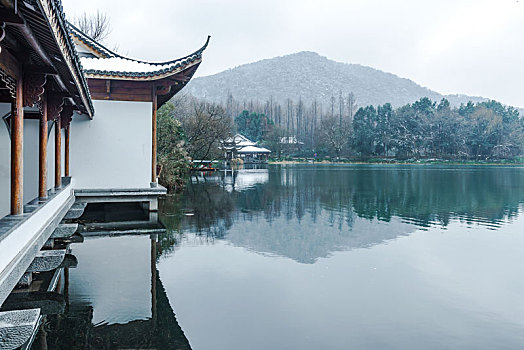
[[292, 162]]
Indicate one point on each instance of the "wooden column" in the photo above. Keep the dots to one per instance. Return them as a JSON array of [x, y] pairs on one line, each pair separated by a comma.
[[17, 150], [153, 136], [58, 153], [42, 151], [66, 151]]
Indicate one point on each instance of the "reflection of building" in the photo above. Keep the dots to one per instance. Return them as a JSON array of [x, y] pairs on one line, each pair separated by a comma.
[[115, 297], [244, 179], [241, 147], [235, 179]]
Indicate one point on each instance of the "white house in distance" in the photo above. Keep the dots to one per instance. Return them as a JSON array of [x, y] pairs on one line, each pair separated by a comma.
[[241, 147], [79, 125]]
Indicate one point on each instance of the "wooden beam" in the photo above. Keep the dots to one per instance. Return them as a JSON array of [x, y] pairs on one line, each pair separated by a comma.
[[66, 152], [10, 17], [31, 69], [9, 64], [153, 135], [17, 150], [33, 88], [42, 151], [121, 97], [163, 90], [58, 153]]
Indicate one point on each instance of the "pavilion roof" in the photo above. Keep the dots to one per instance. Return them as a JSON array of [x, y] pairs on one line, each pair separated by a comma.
[[253, 149], [107, 64]]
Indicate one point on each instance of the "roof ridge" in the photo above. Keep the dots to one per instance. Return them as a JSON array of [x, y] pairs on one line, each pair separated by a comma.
[[98, 66], [90, 41], [197, 52]]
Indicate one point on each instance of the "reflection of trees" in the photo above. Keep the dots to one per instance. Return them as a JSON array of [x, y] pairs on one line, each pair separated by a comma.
[[421, 195]]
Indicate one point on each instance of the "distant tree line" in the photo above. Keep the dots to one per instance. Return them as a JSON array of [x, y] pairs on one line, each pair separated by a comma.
[[190, 129], [423, 129]]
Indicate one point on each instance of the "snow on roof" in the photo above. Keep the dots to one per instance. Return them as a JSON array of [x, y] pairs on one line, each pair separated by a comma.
[[246, 143], [109, 63], [125, 65], [239, 140], [253, 149]]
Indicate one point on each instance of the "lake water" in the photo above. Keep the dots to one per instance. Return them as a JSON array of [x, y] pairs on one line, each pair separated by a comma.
[[312, 257]]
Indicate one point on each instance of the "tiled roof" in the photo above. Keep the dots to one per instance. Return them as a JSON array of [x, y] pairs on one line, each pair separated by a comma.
[[81, 36], [53, 11], [112, 64]]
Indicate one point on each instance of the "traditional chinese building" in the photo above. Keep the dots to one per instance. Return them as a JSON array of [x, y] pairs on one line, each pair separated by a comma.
[[241, 147], [79, 126]]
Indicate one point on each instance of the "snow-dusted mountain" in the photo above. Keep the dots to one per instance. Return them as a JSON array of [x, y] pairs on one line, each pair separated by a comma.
[[309, 76]]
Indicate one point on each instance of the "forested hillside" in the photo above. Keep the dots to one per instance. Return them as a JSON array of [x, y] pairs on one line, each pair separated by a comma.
[[309, 76]]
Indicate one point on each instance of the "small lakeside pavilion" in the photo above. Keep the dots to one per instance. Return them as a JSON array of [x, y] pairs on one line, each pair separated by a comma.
[[241, 147]]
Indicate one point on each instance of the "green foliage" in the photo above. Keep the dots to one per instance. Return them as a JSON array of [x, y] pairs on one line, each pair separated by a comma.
[[254, 126], [425, 129], [169, 130], [171, 153]]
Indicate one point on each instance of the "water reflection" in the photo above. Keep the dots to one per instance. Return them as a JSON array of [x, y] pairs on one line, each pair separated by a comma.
[[115, 305], [309, 211], [114, 298]]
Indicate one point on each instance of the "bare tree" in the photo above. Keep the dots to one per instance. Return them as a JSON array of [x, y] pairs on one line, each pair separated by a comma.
[[334, 136], [96, 25], [205, 125]]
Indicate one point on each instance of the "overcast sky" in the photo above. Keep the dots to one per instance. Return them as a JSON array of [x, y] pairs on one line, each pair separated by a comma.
[[451, 46]]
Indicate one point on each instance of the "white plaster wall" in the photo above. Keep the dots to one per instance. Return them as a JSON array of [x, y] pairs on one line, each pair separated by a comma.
[[51, 156], [63, 153], [30, 162], [114, 149], [102, 274], [31, 141], [5, 163]]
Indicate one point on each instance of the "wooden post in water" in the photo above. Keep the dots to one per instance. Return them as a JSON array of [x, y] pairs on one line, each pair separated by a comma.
[[17, 150], [42, 151], [66, 284], [58, 153], [153, 135]]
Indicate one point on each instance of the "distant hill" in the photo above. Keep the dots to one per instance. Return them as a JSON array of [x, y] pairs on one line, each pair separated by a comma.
[[309, 76]]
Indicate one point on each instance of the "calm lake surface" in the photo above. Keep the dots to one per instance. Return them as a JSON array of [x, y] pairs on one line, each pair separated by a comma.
[[312, 257]]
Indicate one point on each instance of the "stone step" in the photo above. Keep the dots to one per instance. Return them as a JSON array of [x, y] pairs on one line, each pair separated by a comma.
[[64, 230], [17, 327], [47, 260], [76, 210], [76, 238], [49, 303]]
